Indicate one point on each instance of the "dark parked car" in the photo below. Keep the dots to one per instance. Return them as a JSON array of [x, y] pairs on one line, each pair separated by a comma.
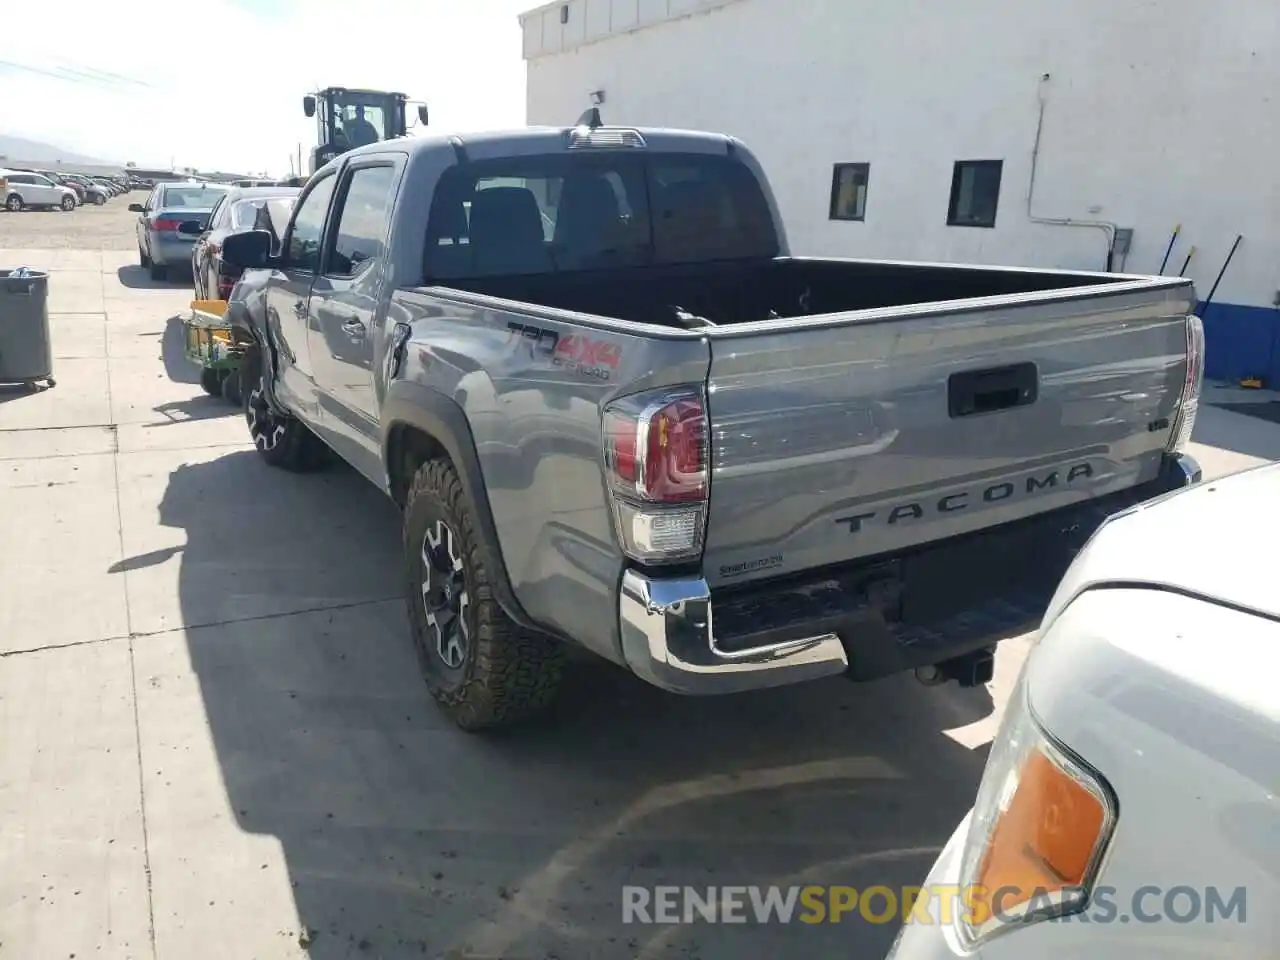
[[94, 192], [246, 208]]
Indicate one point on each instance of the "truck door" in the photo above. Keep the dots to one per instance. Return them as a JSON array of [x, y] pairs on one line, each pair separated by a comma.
[[344, 334], [289, 294]]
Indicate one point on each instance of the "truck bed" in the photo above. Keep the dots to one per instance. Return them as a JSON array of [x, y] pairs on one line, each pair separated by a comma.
[[861, 408], [730, 293]]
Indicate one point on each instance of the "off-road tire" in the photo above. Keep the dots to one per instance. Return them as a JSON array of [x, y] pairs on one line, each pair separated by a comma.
[[13, 203], [283, 442], [508, 673], [159, 271], [211, 382]]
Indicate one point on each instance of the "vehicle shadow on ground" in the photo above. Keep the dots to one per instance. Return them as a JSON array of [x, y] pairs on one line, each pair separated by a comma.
[[137, 278], [404, 836], [197, 408]]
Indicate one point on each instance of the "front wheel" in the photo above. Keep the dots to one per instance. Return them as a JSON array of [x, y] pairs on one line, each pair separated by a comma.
[[99, 200], [68, 204], [483, 669], [281, 441]]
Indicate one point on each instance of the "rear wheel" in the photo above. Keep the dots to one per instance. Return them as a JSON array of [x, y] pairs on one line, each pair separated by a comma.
[[282, 441], [68, 203], [13, 202], [483, 669], [159, 271]]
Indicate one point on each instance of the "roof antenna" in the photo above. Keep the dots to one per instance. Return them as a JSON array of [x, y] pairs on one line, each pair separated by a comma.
[[591, 119]]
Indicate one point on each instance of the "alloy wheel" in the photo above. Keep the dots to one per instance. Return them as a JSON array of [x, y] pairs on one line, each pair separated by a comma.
[[445, 599]]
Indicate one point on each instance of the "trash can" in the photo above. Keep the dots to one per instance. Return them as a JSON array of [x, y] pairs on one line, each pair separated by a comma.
[[26, 354]]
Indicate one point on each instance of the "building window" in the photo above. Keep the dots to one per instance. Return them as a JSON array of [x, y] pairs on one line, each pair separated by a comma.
[[975, 193], [849, 191]]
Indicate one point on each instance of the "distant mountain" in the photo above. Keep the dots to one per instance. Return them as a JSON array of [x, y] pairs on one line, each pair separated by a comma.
[[33, 151]]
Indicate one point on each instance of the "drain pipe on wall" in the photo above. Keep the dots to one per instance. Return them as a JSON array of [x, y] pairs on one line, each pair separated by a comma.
[[1107, 227]]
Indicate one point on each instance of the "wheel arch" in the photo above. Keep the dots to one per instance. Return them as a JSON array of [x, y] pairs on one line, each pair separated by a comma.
[[420, 424], [252, 325]]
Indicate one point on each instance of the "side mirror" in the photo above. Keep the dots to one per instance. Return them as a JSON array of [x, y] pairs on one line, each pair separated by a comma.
[[422, 114], [248, 250], [309, 106], [191, 228], [136, 208]]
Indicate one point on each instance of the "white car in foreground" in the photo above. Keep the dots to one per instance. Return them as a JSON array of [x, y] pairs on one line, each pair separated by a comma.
[[1130, 806]]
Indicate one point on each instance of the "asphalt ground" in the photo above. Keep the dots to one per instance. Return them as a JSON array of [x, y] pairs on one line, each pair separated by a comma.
[[214, 742]]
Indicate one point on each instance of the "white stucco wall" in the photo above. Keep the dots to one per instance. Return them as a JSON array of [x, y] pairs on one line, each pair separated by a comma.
[[1157, 112]]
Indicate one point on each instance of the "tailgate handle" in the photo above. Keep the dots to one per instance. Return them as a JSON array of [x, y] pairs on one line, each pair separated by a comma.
[[988, 391]]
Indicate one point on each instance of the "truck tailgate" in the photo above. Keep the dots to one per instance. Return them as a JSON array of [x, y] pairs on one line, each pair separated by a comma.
[[853, 435]]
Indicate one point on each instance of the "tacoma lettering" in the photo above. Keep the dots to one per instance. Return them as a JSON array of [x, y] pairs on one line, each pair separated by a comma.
[[954, 502]]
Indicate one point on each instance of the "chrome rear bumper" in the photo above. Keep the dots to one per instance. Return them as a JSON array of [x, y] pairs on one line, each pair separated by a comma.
[[668, 637], [668, 640]]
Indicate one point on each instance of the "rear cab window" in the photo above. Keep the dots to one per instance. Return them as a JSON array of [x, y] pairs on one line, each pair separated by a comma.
[[567, 212]]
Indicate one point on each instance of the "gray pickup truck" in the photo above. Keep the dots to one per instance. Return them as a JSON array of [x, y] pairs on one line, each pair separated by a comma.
[[617, 413]]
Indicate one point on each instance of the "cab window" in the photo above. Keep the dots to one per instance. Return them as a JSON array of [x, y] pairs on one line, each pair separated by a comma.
[[364, 219], [302, 249]]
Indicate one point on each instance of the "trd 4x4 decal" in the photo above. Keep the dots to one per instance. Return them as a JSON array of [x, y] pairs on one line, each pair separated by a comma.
[[593, 358]]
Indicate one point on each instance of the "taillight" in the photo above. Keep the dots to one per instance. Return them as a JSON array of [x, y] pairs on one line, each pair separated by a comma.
[[655, 458], [165, 226], [1189, 402]]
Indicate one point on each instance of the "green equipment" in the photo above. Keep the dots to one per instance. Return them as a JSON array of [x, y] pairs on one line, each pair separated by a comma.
[[347, 118]]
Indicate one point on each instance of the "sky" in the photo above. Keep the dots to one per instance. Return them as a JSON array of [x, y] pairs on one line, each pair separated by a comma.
[[219, 84]]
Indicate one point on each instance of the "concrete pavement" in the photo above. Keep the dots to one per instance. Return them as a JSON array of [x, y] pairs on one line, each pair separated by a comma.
[[214, 744]]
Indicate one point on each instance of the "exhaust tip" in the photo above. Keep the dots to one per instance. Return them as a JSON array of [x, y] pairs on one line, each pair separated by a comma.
[[974, 669], [931, 676]]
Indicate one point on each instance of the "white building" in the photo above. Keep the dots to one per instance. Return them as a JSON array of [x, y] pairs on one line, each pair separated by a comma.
[[909, 129]]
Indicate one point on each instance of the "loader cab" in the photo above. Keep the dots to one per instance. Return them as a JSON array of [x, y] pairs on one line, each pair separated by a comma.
[[346, 119]]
